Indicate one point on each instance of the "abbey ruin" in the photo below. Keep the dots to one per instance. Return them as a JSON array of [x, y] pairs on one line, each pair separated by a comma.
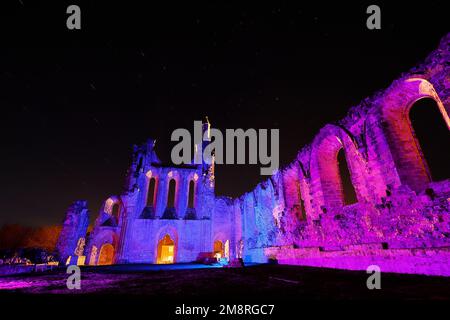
[[399, 221]]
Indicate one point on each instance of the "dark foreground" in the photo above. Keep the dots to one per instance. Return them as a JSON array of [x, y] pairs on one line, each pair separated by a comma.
[[270, 284], [261, 281]]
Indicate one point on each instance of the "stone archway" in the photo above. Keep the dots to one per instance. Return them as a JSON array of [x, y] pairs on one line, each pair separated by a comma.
[[166, 250], [106, 256], [335, 172], [395, 107], [432, 137], [218, 249]]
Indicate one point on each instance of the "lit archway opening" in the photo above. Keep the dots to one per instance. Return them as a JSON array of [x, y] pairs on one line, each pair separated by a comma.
[[166, 250], [218, 249], [432, 138], [106, 255]]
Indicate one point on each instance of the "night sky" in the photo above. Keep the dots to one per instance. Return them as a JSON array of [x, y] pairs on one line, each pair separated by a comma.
[[74, 102]]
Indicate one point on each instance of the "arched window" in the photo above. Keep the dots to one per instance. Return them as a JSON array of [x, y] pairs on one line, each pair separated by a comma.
[[400, 123], [191, 194], [348, 191], [300, 205], [292, 194], [171, 194], [432, 136], [335, 174], [151, 192]]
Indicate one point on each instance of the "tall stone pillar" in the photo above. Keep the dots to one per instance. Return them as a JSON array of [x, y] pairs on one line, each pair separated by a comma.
[[74, 227]]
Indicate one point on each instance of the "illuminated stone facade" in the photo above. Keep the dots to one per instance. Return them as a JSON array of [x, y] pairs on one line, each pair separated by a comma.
[[400, 219]]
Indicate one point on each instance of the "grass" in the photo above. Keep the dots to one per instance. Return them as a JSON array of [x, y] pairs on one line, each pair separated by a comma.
[[272, 282]]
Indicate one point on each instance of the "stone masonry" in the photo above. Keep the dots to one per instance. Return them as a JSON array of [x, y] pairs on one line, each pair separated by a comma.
[[298, 216]]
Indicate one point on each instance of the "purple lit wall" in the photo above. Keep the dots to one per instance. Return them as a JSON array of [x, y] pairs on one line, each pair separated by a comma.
[[401, 220], [299, 216]]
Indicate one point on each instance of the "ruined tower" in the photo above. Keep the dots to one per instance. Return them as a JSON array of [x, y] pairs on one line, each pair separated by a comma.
[[72, 238]]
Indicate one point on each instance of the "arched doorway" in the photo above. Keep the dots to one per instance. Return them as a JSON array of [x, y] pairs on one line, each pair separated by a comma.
[[218, 249], [166, 250], [106, 255], [432, 136]]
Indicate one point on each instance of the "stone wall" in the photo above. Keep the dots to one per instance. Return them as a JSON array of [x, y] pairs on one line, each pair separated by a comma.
[[398, 206], [300, 214], [74, 228]]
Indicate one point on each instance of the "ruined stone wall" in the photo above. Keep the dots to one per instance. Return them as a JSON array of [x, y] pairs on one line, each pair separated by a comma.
[[299, 215], [190, 236], [302, 206], [74, 228]]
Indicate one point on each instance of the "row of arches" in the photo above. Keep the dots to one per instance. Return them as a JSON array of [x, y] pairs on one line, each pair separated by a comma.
[[166, 250], [113, 205], [422, 155], [171, 193], [104, 257], [416, 135]]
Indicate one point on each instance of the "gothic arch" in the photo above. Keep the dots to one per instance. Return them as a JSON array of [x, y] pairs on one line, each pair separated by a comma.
[[293, 192], [406, 152], [103, 237], [175, 176], [106, 255], [224, 241], [151, 189], [170, 231], [113, 207], [191, 194], [325, 172], [165, 250]]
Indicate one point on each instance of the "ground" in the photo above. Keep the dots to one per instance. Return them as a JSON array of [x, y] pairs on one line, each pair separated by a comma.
[[196, 282]]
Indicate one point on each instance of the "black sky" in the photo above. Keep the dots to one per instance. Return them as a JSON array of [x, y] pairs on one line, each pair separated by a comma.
[[74, 102]]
